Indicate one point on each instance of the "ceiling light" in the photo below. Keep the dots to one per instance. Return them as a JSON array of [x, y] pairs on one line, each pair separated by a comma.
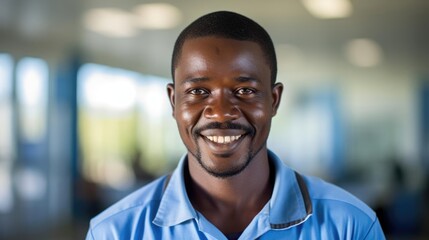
[[328, 8], [157, 16], [363, 52], [111, 22]]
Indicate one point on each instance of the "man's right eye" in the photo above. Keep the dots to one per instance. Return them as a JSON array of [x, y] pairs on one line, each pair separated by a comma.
[[198, 91]]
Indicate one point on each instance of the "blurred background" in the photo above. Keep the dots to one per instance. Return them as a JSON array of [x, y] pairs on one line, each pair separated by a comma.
[[85, 119]]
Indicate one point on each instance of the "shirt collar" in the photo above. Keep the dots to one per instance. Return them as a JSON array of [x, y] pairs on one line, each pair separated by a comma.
[[175, 197], [289, 205], [290, 202]]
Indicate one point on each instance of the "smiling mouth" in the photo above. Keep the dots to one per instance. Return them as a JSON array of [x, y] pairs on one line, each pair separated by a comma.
[[223, 139]]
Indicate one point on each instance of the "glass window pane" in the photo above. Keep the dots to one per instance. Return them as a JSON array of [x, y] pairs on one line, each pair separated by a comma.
[[7, 148], [126, 132], [107, 124], [5, 77], [32, 97]]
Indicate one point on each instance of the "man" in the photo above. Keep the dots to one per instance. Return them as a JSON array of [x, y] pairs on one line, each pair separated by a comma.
[[229, 185]]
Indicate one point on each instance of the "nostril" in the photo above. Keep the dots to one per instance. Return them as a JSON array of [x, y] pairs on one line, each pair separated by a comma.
[[221, 113], [221, 106]]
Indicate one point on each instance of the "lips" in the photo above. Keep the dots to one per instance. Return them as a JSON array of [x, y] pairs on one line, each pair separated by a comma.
[[223, 139]]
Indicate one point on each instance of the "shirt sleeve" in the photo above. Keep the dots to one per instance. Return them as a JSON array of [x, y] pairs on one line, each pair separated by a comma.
[[375, 232]]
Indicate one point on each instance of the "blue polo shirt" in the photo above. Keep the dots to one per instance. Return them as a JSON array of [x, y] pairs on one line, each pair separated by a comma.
[[300, 207]]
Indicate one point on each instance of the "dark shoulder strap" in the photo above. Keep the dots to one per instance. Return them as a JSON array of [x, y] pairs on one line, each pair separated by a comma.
[[307, 203], [305, 193]]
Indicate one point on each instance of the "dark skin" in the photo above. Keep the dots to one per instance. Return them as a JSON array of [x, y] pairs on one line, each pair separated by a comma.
[[227, 82]]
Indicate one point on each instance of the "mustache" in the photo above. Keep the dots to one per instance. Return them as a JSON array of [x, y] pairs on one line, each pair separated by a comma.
[[226, 125]]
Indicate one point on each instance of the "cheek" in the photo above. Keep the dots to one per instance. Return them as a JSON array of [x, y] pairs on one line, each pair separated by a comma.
[[260, 116], [259, 112], [187, 116]]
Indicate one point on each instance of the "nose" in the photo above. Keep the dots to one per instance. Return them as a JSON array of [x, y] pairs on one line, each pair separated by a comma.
[[221, 108]]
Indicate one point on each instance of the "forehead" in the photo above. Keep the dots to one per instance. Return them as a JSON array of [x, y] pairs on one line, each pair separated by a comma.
[[212, 54]]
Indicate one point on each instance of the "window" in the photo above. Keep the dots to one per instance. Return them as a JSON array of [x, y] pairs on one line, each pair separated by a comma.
[[7, 149], [32, 96], [124, 126]]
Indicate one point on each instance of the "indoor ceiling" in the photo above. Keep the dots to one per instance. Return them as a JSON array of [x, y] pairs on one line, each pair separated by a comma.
[[400, 28]]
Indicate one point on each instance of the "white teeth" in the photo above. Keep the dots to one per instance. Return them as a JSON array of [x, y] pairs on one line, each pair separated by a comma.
[[223, 139]]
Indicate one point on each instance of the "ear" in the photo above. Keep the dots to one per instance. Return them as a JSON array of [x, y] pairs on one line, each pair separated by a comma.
[[277, 91], [170, 92]]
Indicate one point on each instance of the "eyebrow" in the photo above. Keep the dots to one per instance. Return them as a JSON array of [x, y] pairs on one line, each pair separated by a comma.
[[194, 80], [247, 79], [204, 79]]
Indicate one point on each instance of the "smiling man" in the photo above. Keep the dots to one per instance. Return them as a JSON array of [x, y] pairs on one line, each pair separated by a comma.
[[229, 185]]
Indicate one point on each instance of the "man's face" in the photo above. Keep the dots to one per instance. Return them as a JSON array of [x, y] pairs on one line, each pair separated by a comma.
[[223, 102]]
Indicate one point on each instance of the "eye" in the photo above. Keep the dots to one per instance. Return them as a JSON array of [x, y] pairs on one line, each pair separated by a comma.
[[198, 91], [245, 91]]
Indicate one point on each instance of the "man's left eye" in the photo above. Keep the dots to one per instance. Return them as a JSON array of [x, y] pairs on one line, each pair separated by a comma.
[[245, 91]]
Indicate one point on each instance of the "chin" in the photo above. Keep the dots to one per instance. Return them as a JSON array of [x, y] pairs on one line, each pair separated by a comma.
[[226, 172]]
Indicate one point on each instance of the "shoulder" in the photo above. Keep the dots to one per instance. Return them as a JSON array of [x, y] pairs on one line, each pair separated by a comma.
[[140, 204], [326, 195], [339, 213]]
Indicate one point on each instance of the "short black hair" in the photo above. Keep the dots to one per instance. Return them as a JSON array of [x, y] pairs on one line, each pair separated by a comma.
[[227, 25]]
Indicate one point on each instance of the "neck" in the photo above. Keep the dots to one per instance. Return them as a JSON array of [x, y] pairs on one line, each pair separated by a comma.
[[217, 198]]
